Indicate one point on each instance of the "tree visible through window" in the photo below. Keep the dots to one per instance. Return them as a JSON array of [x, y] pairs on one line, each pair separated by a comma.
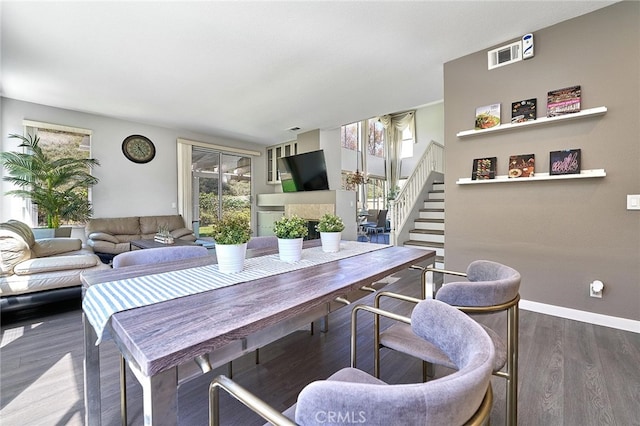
[[349, 136], [57, 144], [375, 145]]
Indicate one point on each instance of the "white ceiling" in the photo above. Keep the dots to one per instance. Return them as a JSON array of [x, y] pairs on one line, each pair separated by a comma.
[[251, 70]]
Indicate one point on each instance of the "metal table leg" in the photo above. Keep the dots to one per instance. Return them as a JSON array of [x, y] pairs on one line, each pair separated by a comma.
[[92, 397], [160, 398]]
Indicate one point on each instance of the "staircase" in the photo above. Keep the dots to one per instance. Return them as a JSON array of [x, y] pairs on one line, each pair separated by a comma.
[[428, 228], [417, 212]]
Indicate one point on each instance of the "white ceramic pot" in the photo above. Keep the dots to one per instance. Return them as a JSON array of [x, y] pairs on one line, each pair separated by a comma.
[[330, 241], [290, 249], [231, 257]]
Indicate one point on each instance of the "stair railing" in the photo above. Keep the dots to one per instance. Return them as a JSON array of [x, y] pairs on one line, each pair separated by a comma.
[[401, 207]]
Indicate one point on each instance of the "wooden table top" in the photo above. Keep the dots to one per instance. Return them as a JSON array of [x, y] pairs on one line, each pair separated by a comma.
[[167, 334]]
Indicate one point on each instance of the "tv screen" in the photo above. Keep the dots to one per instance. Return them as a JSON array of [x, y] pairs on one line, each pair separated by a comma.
[[303, 172]]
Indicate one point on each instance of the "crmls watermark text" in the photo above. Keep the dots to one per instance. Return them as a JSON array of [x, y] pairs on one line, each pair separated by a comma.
[[328, 417]]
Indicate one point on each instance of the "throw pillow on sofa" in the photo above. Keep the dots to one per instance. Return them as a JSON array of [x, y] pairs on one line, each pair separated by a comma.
[[51, 246]]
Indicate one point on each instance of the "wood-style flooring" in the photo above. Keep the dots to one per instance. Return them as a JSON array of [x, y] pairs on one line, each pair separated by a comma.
[[571, 373]]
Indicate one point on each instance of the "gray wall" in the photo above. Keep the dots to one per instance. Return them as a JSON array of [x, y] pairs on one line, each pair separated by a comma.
[[563, 234], [125, 188], [429, 127]]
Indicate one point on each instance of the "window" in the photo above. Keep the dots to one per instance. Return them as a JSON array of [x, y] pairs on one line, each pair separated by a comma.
[[221, 186], [349, 136], [375, 145], [407, 143], [376, 193], [212, 180], [57, 142]]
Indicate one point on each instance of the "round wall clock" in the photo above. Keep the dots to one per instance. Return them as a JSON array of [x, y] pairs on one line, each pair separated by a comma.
[[138, 149]]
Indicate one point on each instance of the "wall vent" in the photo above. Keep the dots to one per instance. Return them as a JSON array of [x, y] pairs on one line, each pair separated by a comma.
[[505, 55]]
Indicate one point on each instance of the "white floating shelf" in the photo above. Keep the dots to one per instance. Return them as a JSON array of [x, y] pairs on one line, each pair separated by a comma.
[[540, 121], [584, 174]]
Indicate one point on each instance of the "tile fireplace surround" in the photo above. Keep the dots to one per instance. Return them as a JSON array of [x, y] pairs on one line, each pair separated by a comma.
[[309, 205], [308, 211]]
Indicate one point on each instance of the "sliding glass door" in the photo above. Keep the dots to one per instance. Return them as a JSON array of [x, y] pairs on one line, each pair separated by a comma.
[[221, 185]]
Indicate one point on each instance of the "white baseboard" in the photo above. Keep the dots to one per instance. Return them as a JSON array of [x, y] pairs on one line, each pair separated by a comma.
[[583, 316]]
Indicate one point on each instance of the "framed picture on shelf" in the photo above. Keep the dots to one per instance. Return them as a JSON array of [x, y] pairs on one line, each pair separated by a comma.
[[487, 116], [563, 101], [564, 162], [522, 111], [522, 166], [484, 168]]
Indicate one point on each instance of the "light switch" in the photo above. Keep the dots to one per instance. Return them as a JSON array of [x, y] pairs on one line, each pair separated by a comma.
[[633, 202]]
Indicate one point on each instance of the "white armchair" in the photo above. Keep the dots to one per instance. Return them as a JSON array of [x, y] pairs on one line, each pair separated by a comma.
[[33, 272]]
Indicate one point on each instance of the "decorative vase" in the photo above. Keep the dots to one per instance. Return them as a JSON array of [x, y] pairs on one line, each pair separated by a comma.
[[290, 249], [231, 257], [330, 241]]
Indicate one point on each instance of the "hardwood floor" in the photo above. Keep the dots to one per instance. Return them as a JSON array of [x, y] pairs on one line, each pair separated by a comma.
[[571, 373]]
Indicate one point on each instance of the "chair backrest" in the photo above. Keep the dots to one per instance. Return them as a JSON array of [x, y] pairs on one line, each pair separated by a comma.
[[372, 215], [489, 283], [158, 255], [450, 400], [382, 219], [268, 241]]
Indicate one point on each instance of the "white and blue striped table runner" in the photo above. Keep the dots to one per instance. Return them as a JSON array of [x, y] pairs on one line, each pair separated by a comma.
[[103, 300]]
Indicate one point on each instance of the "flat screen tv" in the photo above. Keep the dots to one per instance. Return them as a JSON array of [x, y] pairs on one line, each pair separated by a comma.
[[303, 172]]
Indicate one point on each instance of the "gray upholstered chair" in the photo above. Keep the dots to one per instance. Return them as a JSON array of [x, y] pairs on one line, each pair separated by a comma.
[[353, 396], [158, 255], [490, 287], [148, 257], [380, 224], [263, 242]]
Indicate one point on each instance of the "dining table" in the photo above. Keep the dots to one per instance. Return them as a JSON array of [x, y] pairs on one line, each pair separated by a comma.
[[166, 335]]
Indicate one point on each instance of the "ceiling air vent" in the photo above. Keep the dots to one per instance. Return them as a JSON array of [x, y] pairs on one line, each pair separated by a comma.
[[505, 55]]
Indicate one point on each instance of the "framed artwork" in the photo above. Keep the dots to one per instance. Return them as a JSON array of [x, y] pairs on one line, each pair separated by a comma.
[[487, 116], [564, 162], [522, 111], [563, 101], [522, 166], [484, 168]]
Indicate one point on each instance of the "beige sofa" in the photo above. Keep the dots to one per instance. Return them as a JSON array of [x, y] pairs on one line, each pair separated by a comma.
[[111, 236], [33, 272]]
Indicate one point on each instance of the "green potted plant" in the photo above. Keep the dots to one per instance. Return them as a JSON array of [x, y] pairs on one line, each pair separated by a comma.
[[231, 234], [330, 227], [290, 231], [391, 195], [58, 186]]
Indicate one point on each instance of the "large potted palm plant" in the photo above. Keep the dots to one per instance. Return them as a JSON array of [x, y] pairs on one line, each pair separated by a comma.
[[58, 186]]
